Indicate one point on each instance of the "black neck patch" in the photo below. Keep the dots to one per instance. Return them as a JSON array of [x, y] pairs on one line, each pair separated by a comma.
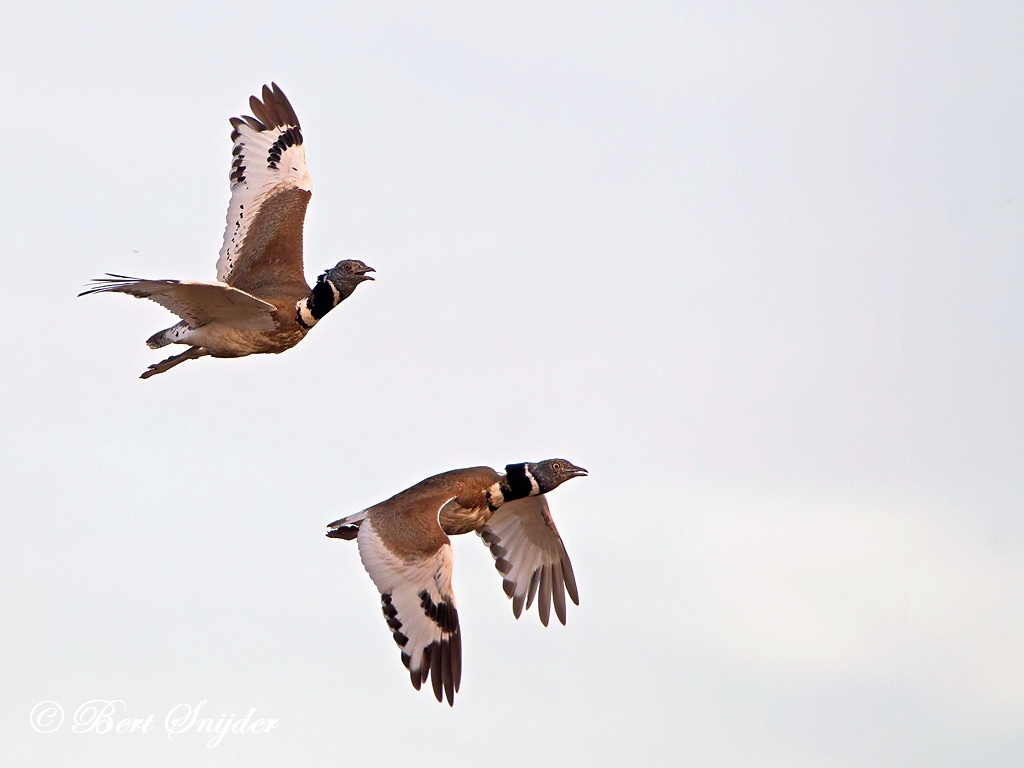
[[519, 484], [321, 299]]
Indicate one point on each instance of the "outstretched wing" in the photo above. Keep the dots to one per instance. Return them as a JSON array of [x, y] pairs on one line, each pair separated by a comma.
[[529, 554], [195, 303], [418, 604], [270, 188]]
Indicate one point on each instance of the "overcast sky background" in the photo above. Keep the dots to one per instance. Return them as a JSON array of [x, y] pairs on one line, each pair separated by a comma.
[[757, 266]]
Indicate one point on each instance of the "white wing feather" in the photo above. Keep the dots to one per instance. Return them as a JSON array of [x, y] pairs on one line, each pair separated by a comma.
[[255, 176], [402, 585]]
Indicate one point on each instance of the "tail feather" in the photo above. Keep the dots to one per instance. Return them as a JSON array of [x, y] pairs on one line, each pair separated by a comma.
[[347, 527], [172, 335], [347, 532]]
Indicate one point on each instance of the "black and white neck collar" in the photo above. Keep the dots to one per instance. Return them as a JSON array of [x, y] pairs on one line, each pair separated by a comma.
[[521, 482]]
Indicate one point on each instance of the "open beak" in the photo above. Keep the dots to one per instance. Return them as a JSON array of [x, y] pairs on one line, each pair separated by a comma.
[[362, 273], [579, 472]]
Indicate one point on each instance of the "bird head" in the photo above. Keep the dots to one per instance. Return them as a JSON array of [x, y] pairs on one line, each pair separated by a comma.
[[551, 473], [346, 275]]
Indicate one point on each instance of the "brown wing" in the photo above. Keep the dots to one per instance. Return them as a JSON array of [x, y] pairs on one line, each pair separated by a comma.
[[270, 188], [530, 556], [195, 303]]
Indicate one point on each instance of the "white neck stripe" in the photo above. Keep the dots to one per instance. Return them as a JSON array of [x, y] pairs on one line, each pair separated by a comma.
[[304, 313], [534, 486]]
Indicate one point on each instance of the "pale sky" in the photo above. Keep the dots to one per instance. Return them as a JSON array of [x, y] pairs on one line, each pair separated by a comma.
[[756, 266]]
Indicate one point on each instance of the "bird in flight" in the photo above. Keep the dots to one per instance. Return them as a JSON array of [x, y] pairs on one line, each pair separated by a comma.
[[404, 546], [260, 302]]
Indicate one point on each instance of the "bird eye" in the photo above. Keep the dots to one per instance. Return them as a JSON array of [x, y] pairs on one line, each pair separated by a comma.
[[557, 466]]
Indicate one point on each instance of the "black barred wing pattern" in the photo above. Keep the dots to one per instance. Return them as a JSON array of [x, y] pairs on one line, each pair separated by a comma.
[[419, 607], [270, 188]]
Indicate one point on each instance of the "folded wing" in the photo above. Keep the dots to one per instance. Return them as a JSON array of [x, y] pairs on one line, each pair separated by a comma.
[[195, 303], [530, 556], [270, 188]]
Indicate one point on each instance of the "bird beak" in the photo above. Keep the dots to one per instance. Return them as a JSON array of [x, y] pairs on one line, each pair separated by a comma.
[[362, 273], [579, 472]]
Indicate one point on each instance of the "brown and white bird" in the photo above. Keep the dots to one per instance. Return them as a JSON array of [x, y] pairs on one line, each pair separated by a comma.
[[261, 302], [404, 546]]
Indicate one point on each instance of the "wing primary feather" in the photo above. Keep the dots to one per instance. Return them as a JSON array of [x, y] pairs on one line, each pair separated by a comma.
[[517, 604], [286, 107], [253, 123], [558, 592], [272, 106], [530, 565], [435, 669], [261, 112], [414, 676], [534, 580], [569, 577], [456, 648], [544, 598], [446, 672], [425, 663]]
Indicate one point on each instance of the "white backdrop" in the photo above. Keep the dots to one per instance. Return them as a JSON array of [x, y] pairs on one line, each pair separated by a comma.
[[757, 266]]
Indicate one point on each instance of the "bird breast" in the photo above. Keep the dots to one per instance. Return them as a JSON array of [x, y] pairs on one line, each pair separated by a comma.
[[226, 341], [463, 520]]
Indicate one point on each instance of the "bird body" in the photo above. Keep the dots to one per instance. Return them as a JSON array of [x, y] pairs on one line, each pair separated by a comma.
[[261, 302], [404, 546]]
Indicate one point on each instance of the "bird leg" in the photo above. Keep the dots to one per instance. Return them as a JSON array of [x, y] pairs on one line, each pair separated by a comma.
[[165, 365]]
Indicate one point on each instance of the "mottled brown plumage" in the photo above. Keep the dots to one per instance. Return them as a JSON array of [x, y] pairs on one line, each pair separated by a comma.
[[459, 497], [404, 546], [261, 257], [270, 262]]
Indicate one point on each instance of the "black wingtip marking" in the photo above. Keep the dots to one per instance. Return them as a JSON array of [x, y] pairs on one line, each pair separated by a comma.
[[446, 672], [456, 652], [441, 660], [253, 123], [442, 663], [436, 662], [517, 605], [285, 106], [488, 535]]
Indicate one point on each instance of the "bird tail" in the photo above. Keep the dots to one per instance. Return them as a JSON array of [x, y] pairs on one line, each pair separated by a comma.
[[348, 527], [172, 335]]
